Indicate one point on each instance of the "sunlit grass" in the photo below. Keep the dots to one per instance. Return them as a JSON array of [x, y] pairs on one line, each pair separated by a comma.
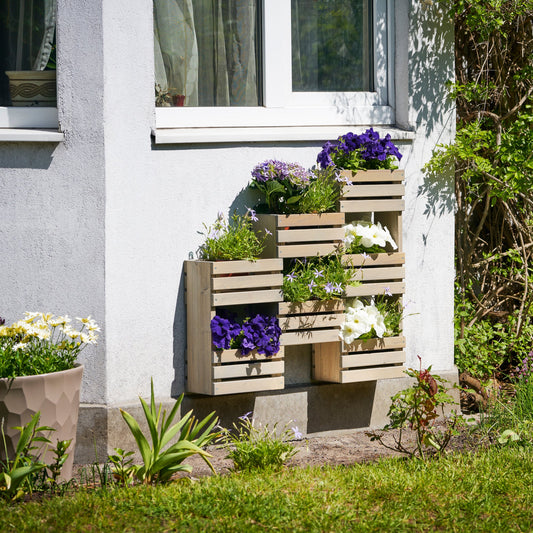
[[487, 491]]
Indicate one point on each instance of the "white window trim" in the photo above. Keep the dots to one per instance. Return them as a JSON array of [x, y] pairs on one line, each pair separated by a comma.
[[29, 124], [286, 114]]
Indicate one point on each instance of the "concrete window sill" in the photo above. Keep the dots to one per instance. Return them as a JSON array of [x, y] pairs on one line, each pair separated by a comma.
[[30, 135]]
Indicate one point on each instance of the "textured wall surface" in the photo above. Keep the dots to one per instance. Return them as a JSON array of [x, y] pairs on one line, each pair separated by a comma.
[[101, 223]]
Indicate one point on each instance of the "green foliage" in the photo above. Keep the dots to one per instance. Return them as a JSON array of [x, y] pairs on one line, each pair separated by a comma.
[[17, 474], [488, 346], [123, 469], [162, 461], [253, 448], [231, 240], [418, 408], [316, 278], [323, 193], [493, 160]]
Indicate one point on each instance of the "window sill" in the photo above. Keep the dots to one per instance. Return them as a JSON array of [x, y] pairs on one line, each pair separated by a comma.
[[267, 134], [30, 135]]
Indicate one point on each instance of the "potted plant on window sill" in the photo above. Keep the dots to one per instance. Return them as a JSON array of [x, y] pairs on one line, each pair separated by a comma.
[[33, 24], [39, 373]]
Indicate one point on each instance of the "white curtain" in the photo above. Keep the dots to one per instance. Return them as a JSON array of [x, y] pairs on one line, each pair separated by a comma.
[[207, 50], [30, 26]]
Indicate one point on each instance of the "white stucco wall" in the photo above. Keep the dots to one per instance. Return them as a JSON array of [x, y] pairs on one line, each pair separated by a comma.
[[117, 216]]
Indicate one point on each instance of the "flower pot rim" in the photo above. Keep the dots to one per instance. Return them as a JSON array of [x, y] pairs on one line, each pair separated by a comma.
[[77, 366]]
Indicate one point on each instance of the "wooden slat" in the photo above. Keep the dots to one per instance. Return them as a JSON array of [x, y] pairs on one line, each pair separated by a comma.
[[370, 176], [395, 258], [310, 321], [248, 370], [235, 356], [248, 385], [310, 235], [326, 362], [373, 289], [371, 374], [198, 279], [322, 219], [369, 206], [378, 273], [235, 267], [373, 191], [312, 306], [372, 359], [386, 343], [309, 337], [248, 282], [307, 250], [237, 298]]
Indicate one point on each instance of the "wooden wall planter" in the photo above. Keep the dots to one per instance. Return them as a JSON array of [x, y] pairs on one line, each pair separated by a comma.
[[363, 360], [305, 235], [233, 372], [377, 273], [212, 284], [373, 191], [310, 322]]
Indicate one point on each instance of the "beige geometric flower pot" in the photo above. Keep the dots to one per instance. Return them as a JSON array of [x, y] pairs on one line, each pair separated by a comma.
[[35, 88], [56, 396]]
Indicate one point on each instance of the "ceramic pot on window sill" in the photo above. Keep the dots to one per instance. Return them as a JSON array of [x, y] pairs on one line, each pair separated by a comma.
[[32, 88]]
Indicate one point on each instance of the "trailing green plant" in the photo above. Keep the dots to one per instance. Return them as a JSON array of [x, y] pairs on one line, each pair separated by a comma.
[[417, 409], [161, 460], [17, 475], [232, 239], [41, 343], [316, 278], [122, 468], [253, 447]]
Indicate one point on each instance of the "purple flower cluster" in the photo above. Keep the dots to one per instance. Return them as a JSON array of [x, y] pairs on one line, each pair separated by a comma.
[[368, 146], [261, 332], [274, 170], [524, 371]]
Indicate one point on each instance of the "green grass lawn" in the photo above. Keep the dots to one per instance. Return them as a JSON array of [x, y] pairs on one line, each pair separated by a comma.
[[489, 491]]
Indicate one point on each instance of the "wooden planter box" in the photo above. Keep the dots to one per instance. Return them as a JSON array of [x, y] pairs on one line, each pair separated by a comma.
[[363, 360], [233, 373], [377, 273], [310, 322], [212, 284], [305, 235], [373, 191]]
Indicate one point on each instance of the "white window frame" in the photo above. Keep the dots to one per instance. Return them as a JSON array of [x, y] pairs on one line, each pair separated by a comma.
[[283, 108]]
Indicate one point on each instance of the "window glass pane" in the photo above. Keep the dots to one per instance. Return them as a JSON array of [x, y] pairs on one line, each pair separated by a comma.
[[27, 61], [206, 52], [331, 45]]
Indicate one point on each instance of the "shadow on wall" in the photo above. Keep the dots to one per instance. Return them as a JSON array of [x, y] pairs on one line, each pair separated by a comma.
[[430, 56], [27, 155]]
